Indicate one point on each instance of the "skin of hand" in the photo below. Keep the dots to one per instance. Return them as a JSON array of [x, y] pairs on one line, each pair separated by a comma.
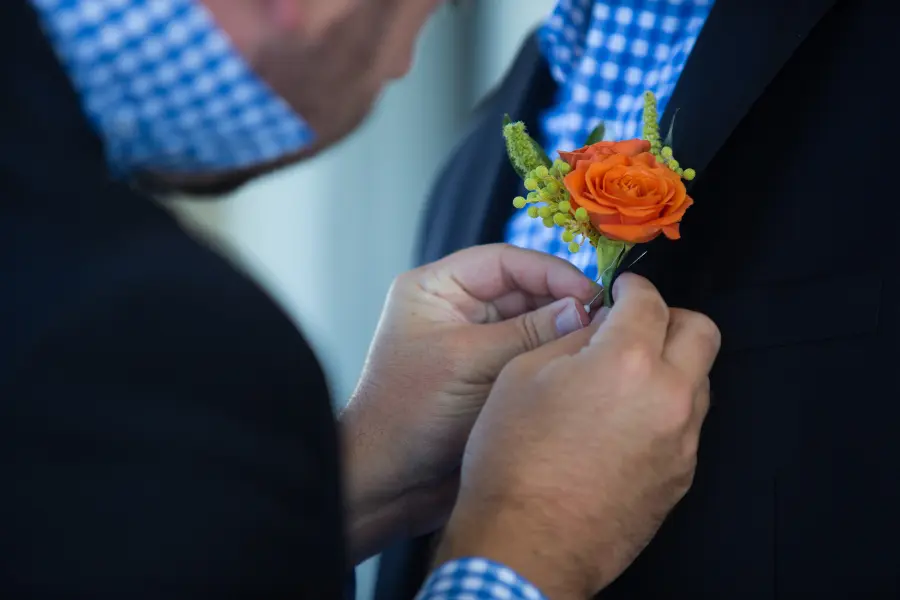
[[447, 331], [586, 444]]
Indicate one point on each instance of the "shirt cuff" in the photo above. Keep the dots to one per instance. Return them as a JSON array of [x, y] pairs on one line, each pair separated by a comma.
[[477, 579]]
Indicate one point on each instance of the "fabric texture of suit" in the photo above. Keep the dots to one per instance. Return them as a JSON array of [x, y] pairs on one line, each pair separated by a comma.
[[785, 112], [166, 431]]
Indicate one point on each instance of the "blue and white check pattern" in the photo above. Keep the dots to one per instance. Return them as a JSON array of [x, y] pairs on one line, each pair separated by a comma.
[[165, 88], [477, 579], [605, 55]]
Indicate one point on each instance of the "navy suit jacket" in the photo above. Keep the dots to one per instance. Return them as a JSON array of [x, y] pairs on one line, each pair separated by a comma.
[[786, 113], [165, 430]]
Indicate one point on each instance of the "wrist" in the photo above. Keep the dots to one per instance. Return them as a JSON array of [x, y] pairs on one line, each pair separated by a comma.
[[373, 507], [511, 534]]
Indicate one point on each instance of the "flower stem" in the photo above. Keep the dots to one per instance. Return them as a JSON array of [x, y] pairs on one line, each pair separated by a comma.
[[610, 254]]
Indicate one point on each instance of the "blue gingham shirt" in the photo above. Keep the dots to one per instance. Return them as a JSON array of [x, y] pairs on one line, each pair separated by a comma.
[[604, 55], [477, 579], [166, 89]]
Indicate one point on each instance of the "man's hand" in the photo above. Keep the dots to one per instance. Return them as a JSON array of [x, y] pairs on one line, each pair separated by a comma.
[[447, 331], [586, 444]]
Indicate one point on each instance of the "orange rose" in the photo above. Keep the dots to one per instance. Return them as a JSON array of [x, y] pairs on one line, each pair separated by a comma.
[[629, 199], [603, 149]]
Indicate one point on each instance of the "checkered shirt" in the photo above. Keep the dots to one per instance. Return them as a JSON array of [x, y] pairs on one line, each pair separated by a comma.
[[605, 55], [165, 88], [477, 579]]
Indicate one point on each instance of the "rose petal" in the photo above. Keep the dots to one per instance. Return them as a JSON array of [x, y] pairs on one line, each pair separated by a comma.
[[673, 232], [635, 234]]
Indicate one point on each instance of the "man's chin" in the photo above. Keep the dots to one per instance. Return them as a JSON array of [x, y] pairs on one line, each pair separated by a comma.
[[212, 185]]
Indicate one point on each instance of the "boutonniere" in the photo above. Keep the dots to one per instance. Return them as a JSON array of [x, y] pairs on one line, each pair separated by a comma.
[[611, 195]]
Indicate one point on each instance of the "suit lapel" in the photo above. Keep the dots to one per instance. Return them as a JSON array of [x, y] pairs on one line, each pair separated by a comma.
[[741, 49], [478, 173]]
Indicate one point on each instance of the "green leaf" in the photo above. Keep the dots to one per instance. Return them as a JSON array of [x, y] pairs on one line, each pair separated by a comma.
[[542, 154], [596, 135], [506, 120], [669, 136]]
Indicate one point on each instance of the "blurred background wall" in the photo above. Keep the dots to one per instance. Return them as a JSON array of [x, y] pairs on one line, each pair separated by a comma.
[[331, 274]]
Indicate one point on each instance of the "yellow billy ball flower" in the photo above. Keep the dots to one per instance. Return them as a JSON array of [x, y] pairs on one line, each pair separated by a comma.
[[562, 166], [519, 202], [582, 215], [689, 174], [531, 183], [533, 212], [667, 152], [542, 172], [565, 207], [545, 212]]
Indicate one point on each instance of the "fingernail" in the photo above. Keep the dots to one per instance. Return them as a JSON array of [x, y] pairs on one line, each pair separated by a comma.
[[569, 320]]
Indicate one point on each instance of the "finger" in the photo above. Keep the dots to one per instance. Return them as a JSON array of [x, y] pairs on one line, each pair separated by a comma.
[[701, 404], [639, 316], [501, 342], [692, 344], [518, 303], [568, 345], [491, 272]]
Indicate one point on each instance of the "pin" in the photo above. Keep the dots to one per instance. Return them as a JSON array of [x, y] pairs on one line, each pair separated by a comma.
[[590, 305]]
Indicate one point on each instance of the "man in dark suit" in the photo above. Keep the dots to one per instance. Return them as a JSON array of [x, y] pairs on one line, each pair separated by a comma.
[[165, 430], [784, 110]]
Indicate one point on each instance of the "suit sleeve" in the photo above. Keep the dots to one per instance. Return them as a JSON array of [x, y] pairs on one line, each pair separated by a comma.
[[171, 441]]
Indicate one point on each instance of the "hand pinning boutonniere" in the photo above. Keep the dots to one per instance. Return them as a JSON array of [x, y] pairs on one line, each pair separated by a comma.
[[611, 195]]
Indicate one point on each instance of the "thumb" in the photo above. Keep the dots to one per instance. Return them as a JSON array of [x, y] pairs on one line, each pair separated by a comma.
[[536, 328]]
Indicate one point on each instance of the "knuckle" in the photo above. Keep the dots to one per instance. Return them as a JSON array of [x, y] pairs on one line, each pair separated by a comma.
[[679, 403], [529, 332], [705, 330], [636, 361]]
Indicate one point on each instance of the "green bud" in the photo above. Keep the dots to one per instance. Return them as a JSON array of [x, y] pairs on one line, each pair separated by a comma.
[[548, 222], [533, 197], [542, 172], [551, 186], [533, 212], [680, 171], [524, 153], [667, 152], [563, 167], [574, 247], [565, 207], [531, 183], [545, 212], [673, 164], [568, 236], [689, 174], [519, 202], [560, 219], [582, 215], [547, 193]]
